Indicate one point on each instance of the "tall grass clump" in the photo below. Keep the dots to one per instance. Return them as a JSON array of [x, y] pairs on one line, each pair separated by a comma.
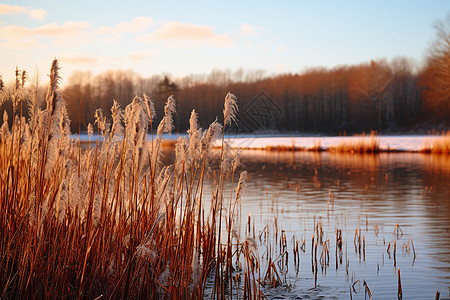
[[438, 145], [359, 144], [113, 221]]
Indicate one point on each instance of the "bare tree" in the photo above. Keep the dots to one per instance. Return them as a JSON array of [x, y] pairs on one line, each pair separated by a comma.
[[404, 89], [439, 59], [374, 86]]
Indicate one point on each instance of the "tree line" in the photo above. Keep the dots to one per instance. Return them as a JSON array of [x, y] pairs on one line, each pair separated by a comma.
[[386, 96]]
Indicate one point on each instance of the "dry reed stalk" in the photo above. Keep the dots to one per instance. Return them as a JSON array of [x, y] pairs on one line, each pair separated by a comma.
[[388, 250], [367, 290], [395, 251], [364, 248], [399, 290], [398, 232]]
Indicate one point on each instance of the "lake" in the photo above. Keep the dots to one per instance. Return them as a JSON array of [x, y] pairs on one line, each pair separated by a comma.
[[371, 193], [387, 197]]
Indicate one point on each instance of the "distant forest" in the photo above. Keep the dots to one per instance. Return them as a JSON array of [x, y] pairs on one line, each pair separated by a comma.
[[385, 96], [380, 95]]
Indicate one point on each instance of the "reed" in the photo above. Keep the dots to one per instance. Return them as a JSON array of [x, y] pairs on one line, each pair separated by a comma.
[[111, 221], [367, 290], [399, 285], [438, 145], [360, 144]]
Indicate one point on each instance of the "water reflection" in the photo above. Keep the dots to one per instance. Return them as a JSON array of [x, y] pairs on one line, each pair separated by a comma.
[[362, 191], [371, 193]]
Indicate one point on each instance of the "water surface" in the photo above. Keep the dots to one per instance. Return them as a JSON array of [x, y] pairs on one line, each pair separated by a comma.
[[371, 193]]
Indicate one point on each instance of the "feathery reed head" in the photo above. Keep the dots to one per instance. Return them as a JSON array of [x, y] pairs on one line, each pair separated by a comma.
[[100, 120], [195, 134], [237, 159], [55, 78], [150, 108], [181, 150], [242, 185], [90, 129], [210, 136], [170, 106], [116, 115], [166, 124], [53, 85], [193, 123], [2, 84], [17, 74], [230, 110], [24, 77]]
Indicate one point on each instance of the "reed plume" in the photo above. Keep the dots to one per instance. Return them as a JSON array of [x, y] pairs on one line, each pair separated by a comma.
[[230, 110], [53, 86]]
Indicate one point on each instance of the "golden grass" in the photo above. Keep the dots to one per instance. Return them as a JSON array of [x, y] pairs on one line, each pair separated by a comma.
[[364, 144], [282, 148], [111, 221], [360, 144], [438, 145]]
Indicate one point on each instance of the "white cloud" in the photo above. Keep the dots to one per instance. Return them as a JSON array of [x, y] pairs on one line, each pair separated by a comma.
[[71, 33], [258, 46], [247, 29], [138, 24], [68, 34], [142, 55], [186, 34], [80, 43], [19, 44], [68, 28], [76, 59], [37, 14], [51, 30]]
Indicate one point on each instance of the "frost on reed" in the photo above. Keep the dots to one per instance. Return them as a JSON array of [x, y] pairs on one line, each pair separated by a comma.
[[124, 226]]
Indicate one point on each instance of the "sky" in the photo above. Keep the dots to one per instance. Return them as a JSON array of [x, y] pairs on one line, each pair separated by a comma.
[[194, 37]]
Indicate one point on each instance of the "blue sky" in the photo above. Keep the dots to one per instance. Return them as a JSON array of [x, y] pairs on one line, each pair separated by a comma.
[[194, 37]]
